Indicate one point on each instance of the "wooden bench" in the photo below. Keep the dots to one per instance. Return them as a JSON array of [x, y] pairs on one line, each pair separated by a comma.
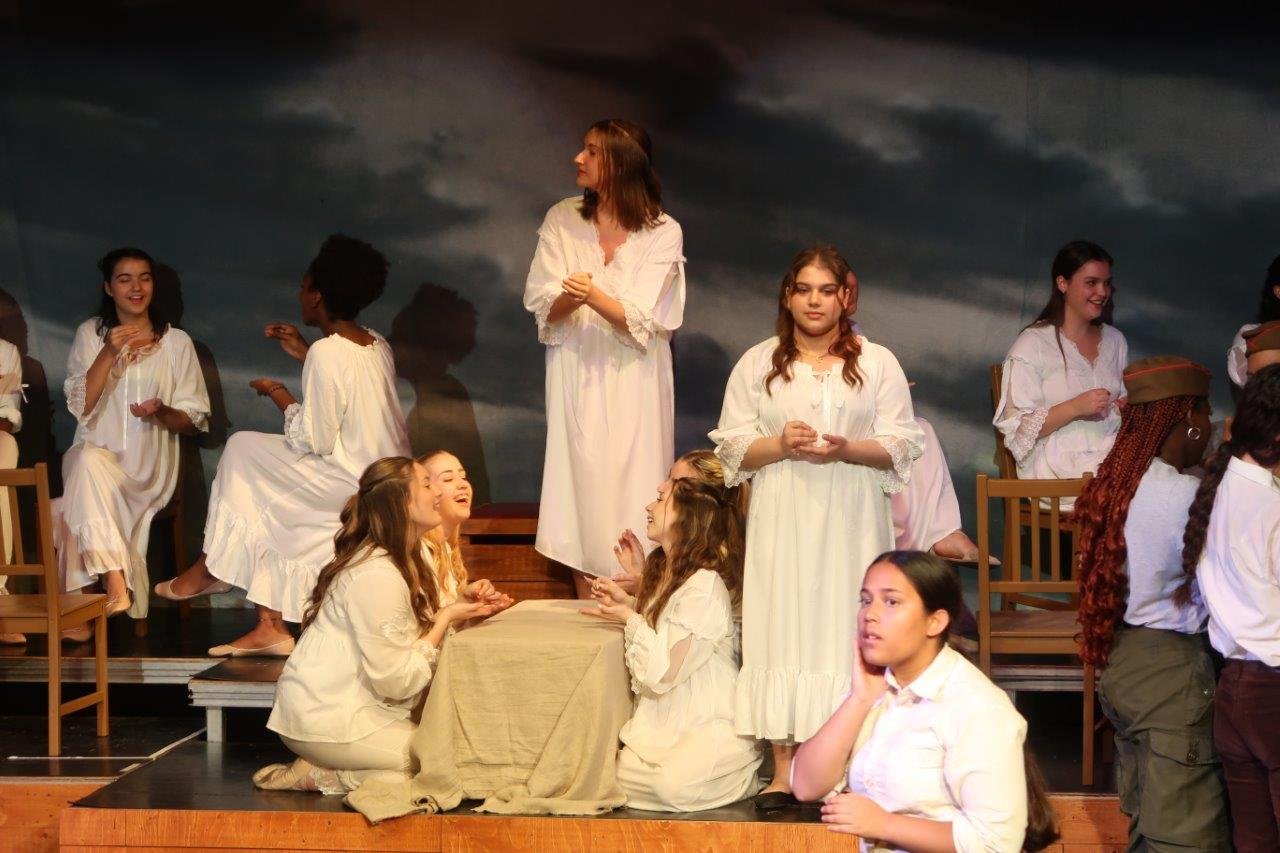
[[497, 543]]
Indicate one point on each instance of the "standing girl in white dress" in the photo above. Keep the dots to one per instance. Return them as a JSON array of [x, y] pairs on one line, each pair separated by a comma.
[[273, 508], [133, 385], [1063, 384], [932, 751], [371, 634], [821, 418], [1268, 311], [606, 287], [680, 749]]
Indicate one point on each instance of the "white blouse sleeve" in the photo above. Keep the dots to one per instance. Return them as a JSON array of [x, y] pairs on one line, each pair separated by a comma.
[[684, 641], [189, 393], [396, 659], [84, 349], [1023, 407], [739, 419], [544, 284], [894, 427], [312, 425], [654, 301], [11, 386], [1237, 363], [985, 771]]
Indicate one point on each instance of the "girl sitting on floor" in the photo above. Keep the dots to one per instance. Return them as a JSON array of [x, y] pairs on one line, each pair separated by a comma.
[[371, 634], [680, 751], [931, 750]]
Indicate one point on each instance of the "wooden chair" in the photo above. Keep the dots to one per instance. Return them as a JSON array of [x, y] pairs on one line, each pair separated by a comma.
[[49, 612], [1032, 631]]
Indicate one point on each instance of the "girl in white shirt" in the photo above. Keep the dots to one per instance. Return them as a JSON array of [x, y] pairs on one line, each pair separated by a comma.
[[931, 750], [680, 750], [133, 385], [1061, 388], [371, 634], [1232, 551], [606, 288]]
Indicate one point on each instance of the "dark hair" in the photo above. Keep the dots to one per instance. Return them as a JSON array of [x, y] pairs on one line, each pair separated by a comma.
[[1253, 431], [1101, 511], [935, 581], [1269, 303], [627, 177], [349, 273], [1066, 263], [108, 317], [846, 345]]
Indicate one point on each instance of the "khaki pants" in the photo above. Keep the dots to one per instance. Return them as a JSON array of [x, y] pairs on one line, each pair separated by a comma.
[[1157, 691], [382, 753], [8, 459]]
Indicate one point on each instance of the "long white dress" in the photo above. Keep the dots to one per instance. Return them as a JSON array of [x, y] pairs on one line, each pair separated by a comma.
[[1038, 375], [121, 469], [610, 394], [273, 507], [680, 750], [926, 511], [10, 410], [812, 530]]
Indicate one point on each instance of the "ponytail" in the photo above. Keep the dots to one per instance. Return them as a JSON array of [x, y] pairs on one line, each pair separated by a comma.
[[1042, 825], [1198, 521]]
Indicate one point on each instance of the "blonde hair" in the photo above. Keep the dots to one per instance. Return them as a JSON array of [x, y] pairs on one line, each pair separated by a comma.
[[710, 470], [446, 552]]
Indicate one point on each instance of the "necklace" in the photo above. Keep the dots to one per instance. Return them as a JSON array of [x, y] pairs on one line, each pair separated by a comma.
[[810, 354]]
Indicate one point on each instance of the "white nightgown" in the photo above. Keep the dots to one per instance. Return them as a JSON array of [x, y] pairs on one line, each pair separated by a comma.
[[610, 394], [11, 410], [273, 507], [1038, 375], [926, 511], [812, 530], [122, 469]]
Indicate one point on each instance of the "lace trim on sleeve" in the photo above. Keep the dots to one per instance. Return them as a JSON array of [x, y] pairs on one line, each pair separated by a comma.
[[551, 334], [199, 420], [424, 647], [74, 388], [639, 327], [731, 452], [1024, 438], [638, 639], [294, 431], [901, 453]]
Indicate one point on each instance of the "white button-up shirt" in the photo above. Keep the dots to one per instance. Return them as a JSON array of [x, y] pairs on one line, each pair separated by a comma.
[[1239, 571], [948, 747], [1153, 538]]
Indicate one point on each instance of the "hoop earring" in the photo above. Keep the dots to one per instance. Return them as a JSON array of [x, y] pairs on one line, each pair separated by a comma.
[[1194, 433]]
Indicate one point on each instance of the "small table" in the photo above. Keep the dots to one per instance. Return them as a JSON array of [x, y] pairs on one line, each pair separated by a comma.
[[524, 712]]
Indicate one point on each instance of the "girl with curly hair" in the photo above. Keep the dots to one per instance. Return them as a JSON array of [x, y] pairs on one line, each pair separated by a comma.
[[1157, 678], [1232, 551]]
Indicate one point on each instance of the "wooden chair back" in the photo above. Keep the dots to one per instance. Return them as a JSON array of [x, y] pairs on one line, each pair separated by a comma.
[[1004, 459]]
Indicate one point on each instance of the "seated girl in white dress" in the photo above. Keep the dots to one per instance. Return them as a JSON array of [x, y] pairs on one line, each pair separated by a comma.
[[931, 750], [1062, 387], [10, 423], [133, 385], [371, 633], [680, 750], [273, 508]]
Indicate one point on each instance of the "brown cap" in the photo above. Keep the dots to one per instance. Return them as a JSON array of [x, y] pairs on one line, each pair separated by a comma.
[[1266, 336], [1164, 376]]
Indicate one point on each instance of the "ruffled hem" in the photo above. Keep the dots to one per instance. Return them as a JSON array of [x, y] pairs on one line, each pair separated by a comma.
[[786, 704], [731, 453], [1024, 438], [238, 554], [639, 327], [902, 453]]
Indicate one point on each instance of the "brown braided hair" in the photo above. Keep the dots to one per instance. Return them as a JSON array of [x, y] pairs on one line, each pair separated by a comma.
[[708, 535], [846, 345], [1254, 430], [1101, 512]]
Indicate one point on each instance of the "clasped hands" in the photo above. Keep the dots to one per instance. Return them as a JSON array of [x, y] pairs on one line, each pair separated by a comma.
[[578, 287], [800, 441]]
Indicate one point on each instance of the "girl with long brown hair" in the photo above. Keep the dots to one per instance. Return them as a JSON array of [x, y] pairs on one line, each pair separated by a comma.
[[820, 418], [680, 750], [1157, 678], [371, 633], [1059, 398], [1230, 549], [607, 290]]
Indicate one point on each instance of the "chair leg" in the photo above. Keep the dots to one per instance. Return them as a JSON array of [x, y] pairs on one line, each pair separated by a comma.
[[140, 627], [1086, 770], [55, 691], [100, 671]]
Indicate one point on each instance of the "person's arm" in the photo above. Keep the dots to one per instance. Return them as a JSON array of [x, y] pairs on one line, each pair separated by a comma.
[[313, 424], [653, 301], [95, 381], [684, 641], [11, 391], [544, 294], [740, 444]]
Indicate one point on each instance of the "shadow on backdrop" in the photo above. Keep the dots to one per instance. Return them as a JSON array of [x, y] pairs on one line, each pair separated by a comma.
[[436, 330], [702, 369]]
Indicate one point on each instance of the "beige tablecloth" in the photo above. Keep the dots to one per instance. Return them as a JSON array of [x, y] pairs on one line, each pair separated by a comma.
[[523, 712]]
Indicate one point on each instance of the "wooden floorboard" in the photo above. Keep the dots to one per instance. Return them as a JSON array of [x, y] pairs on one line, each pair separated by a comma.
[[30, 811]]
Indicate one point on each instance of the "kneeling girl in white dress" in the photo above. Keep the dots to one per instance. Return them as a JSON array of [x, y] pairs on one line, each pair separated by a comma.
[[371, 634], [680, 750], [932, 751], [273, 508], [133, 385]]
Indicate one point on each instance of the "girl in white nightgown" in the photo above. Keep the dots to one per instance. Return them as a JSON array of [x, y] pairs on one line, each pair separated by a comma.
[[821, 418], [133, 384], [680, 749], [606, 287], [273, 508]]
